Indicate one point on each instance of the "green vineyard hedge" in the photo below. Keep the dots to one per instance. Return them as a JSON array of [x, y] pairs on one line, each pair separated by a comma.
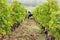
[[5, 19], [46, 14], [43, 11], [18, 12], [10, 15], [54, 24]]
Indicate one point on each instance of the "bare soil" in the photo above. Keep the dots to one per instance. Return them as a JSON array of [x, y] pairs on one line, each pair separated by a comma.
[[26, 31]]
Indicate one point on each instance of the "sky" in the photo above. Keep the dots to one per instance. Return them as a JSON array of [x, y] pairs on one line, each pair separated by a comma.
[[32, 2]]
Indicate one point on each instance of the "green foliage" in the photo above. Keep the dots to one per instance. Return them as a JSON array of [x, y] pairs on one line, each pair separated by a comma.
[[54, 24], [18, 12], [3, 1], [41, 14], [48, 15], [10, 15], [5, 19], [53, 4]]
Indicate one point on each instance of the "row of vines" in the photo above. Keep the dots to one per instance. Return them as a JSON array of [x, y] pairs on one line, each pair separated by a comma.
[[10, 15], [48, 15]]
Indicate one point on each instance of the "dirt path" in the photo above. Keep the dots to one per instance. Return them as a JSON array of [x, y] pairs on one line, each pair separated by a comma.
[[27, 31]]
